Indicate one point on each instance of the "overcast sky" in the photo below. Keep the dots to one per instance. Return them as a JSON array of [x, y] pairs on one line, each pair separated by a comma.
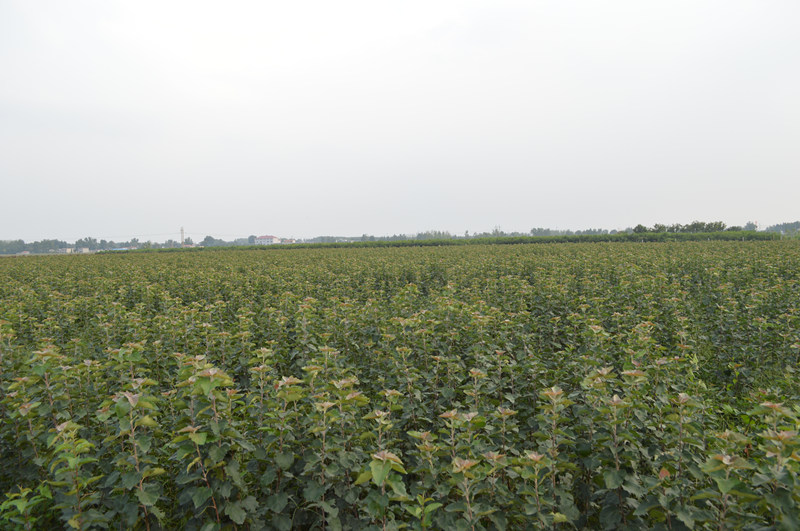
[[132, 119]]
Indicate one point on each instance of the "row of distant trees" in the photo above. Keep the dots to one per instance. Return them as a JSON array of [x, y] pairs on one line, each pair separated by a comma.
[[19, 246], [792, 228], [694, 227], [496, 233], [93, 244]]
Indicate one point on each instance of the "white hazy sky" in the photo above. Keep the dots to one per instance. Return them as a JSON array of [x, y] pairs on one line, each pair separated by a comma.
[[132, 119]]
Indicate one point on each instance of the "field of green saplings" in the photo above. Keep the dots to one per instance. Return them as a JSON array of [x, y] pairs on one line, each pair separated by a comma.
[[555, 386]]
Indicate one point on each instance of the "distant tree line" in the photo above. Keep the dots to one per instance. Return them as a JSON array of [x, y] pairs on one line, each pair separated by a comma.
[[92, 244], [620, 236], [431, 237], [693, 227], [785, 228], [445, 235], [19, 246]]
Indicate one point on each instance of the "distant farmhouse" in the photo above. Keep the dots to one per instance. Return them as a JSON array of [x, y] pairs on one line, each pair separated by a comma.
[[267, 240], [73, 250]]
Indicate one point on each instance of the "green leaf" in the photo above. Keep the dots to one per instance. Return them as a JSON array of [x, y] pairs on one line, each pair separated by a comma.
[[199, 438], [144, 442], [200, 496], [685, 516], [790, 521], [147, 421], [364, 477], [236, 512], [334, 524], [634, 488], [613, 478], [499, 520], [456, 507], [284, 460], [725, 485], [397, 487], [414, 510], [432, 507], [276, 502], [294, 396], [250, 504], [313, 491], [154, 472], [609, 516], [232, 469], [217, 453], [267, 477], [130, 479], [205, 385], [192, 463], [147, 498], [380, 469], [397, 467], [783, 500], [329, 509], [281, 522], [645, 505], [705, 495], [157, 512], [121, 408]]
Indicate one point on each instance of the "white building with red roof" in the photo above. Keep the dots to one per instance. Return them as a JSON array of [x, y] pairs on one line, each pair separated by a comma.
[[267, 240]]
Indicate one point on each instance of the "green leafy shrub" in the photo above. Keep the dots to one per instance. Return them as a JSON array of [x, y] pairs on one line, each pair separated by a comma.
[[580, 386]]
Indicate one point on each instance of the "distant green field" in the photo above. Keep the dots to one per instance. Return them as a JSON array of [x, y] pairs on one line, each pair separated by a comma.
[[580, 385]]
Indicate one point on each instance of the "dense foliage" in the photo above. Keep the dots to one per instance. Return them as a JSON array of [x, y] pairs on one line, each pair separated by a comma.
[[478, 387], [619, 237], [434, 238]]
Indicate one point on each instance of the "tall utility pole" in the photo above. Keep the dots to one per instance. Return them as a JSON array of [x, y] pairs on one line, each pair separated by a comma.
[[181, 236]]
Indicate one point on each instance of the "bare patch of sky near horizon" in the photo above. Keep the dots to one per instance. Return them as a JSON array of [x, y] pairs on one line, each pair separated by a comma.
[[132, 119]]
